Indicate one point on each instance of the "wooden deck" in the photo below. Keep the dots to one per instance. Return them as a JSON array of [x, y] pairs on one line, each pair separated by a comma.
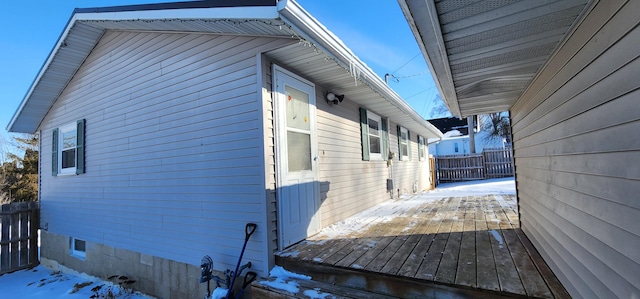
[[416, 245]]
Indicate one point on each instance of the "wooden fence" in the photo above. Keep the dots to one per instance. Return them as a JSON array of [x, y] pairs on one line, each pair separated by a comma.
[[19, 224], [498, 162], [491, 163]]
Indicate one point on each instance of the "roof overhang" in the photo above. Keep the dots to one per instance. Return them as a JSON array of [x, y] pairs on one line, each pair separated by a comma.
[[483, 54], [318, 55]]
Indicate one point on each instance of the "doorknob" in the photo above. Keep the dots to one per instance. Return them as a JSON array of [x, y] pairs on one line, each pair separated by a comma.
[[315, 158]]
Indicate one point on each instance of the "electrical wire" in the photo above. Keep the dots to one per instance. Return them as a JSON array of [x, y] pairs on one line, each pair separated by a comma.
[[405, 64]]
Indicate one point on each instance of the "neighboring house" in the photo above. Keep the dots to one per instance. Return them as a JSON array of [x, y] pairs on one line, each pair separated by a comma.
[[568, 72], [165, 128], [459, 145], [455, 140]]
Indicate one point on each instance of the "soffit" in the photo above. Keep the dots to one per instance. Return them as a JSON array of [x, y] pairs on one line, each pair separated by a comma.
[[485, 53]]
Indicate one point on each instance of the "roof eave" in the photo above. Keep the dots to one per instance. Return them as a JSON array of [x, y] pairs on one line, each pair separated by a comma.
[[309, 28], [434, 52], [148, 12]]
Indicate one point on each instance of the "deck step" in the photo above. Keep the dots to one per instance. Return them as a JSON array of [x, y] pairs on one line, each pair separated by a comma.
[[380, 284], [317, 289]]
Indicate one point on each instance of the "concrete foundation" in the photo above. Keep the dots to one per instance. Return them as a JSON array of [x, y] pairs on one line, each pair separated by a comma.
[[155, 276]]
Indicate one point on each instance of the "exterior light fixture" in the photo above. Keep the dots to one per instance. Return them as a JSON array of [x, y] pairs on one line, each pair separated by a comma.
[[332, 98]]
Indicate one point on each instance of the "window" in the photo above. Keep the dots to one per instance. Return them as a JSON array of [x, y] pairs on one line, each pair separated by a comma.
[[78, 248], [422, 151], [374, 136], [404, 145], [68, 149], [455, 147]]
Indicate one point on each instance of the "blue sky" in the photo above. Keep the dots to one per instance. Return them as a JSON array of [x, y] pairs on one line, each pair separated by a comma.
[[376, 31]]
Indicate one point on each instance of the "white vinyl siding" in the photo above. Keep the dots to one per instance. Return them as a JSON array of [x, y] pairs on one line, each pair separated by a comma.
[[577, 156], [176, 158]]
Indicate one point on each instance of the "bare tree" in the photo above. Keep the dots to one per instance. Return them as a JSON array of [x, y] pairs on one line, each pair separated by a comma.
[[497, 125], [439, 109]]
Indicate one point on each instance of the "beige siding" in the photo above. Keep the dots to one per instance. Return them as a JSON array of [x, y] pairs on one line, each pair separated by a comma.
[[174, 162], [578, 156], [269, 155], [349, 185]]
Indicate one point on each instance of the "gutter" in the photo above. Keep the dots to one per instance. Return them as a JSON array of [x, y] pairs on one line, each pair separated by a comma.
[[299, 19]]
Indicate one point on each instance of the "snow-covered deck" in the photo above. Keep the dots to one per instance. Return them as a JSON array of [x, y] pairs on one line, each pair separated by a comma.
[[461, 238]]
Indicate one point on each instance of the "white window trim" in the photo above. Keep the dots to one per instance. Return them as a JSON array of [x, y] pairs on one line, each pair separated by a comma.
[[78, 253], [403, 141], [61, 130], [378, 118]]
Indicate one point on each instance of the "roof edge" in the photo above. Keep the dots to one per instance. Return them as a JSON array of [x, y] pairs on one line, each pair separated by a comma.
[[41, 72], [436, 52], [257, 9], [177, 5], [311, 29]]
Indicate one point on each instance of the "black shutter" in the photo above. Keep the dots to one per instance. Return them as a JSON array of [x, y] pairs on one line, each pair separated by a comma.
[[408, 145], [399, 143], [54, 153], [80, 146], [364, 134], [385, 140]]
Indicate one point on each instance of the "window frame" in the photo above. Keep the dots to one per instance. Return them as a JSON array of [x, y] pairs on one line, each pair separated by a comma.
[[57, 149], [422, 151], [379, 119], [402, 141], [61, 130], [74, 251], [365, 140]]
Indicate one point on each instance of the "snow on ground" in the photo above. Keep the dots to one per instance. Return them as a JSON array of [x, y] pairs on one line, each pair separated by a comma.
[[480, 187], [43, 283], [388, 210]]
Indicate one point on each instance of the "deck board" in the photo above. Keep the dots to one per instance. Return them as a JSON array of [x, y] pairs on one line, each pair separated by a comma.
[[466, 273], [474, 242], [487, 277]]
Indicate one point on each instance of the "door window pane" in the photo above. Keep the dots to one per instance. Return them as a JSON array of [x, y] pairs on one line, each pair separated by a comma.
[[299, 151], [297, 109]]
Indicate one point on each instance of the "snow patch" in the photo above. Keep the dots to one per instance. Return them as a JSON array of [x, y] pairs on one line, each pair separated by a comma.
[[315, 294], [282, 280], [280, 272], [496, 235], [219, 293], [452, 133], [43, 283], [294, 253]]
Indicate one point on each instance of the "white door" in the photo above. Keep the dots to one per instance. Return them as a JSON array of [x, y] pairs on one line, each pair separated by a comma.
[[296, 153]]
